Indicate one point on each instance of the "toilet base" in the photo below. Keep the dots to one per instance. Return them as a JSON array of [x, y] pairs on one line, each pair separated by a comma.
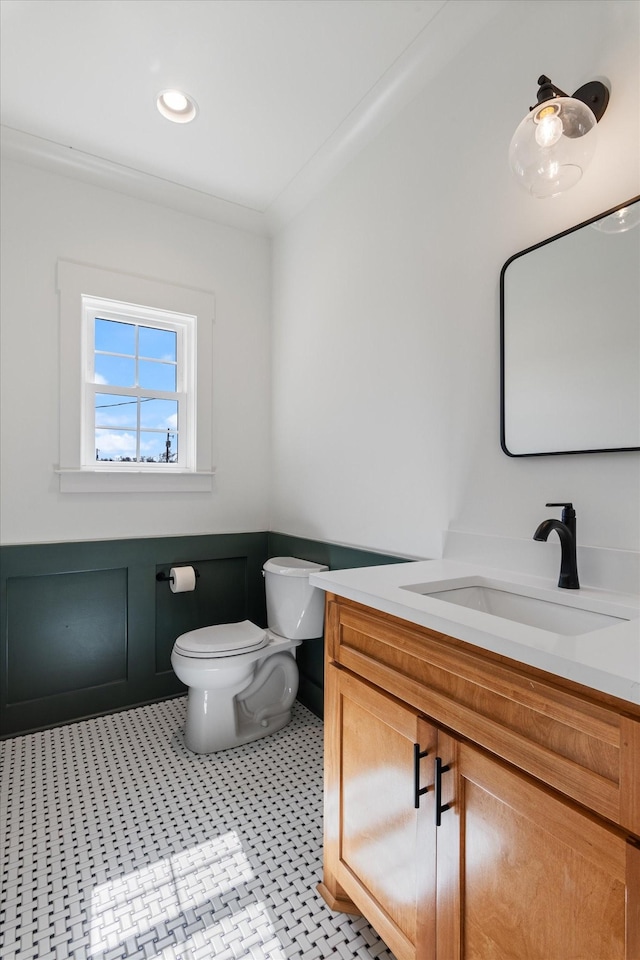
[[221, 719], [200, 737]]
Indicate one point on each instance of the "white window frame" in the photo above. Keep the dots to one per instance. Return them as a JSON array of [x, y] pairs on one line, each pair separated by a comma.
[[80, 287], [183, 326]]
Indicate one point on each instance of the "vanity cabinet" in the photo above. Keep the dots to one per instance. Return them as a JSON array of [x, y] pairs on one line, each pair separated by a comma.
[[534, 785]]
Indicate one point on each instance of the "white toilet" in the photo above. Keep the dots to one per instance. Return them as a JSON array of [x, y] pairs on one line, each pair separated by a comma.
[[242, 679]]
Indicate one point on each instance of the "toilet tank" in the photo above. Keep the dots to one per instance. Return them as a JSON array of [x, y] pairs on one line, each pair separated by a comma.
[[295, 609]]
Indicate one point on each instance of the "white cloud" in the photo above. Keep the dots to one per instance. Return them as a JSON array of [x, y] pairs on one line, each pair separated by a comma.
[[120, 443], [114, 419]]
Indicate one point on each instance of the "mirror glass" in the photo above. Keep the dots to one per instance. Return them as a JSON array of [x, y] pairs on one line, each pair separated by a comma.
[[570, 340]]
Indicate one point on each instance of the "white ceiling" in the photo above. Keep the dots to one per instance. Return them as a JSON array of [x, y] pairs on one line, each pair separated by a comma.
[[287, 91]]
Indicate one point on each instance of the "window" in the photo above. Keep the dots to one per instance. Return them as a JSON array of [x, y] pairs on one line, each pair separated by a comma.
[[136, 383], [139, 366]]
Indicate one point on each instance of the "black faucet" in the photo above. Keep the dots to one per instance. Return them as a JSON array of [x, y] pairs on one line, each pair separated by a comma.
[[566, 529]]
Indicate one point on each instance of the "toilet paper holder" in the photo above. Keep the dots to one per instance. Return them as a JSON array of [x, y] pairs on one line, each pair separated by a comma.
[[164, 577]]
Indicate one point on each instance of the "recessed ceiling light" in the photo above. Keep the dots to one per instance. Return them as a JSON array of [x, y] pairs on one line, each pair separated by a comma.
[[176, 106]]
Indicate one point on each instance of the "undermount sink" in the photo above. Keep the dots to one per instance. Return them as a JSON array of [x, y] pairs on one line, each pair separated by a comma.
[[506, 602]]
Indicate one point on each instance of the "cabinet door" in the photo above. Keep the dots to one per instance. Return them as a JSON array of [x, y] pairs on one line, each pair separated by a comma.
[[522, 874], [380, 848]]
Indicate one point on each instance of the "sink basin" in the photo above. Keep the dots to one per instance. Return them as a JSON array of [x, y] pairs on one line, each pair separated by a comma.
[[546, 614]]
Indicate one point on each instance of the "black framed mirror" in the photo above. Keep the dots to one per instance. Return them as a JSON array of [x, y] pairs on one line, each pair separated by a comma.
[[570, 340]]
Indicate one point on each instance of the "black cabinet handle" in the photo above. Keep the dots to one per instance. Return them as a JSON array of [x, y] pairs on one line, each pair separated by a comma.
[[418, 754], [440, 806]]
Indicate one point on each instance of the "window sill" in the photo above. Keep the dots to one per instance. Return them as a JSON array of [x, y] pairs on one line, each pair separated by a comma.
[[134, 481]]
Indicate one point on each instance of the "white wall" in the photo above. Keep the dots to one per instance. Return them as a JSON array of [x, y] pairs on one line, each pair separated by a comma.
[[46, 217], [385, 427], [385, 424]]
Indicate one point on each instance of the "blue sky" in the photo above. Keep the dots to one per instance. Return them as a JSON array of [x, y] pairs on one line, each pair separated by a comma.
[[131, 355]]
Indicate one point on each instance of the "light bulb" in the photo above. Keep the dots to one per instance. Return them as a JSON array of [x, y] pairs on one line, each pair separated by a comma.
[[548, 128], [175, 100], [176, 106]]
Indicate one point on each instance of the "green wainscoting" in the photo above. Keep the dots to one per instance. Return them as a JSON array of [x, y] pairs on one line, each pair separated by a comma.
[[85, 627]]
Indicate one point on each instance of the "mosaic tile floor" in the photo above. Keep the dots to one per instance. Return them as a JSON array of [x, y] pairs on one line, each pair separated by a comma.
[[117, 842]]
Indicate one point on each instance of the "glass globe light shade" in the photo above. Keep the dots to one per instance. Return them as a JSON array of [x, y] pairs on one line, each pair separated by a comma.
[[553, 146], [619, 222]]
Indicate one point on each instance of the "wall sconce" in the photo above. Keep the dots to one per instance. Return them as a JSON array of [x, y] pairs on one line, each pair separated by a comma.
[[556, 140]]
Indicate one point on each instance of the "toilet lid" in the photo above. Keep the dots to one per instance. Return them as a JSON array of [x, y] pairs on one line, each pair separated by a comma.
[[222, 640]]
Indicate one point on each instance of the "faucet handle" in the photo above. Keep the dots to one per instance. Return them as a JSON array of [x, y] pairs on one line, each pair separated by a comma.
[[568, 513]]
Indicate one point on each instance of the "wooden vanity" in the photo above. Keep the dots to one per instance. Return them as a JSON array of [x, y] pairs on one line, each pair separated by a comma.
[[476, 808]]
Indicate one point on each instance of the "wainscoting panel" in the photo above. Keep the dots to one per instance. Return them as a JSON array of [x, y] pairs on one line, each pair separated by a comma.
[[66, 631]]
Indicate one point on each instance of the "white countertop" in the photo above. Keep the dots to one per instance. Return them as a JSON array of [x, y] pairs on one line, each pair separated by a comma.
[[607, 659]]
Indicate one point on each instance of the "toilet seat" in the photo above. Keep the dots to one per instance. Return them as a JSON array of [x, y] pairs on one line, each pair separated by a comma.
[[222, 640]]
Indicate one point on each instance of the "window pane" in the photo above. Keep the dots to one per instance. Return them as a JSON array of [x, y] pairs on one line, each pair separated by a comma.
[[115, 445], [159, 414], [153, 447], [157, 344], [115, 337], [156, 376], [115, 371], [116, 411]]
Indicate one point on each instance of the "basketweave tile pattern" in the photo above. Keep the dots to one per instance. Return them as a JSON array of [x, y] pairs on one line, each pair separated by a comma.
[[119, 843]]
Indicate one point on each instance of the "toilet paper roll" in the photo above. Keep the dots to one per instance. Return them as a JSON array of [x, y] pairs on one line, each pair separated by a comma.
[[183, 579]]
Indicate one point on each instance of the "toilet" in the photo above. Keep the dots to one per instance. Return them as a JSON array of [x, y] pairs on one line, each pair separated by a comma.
[[243, 679]]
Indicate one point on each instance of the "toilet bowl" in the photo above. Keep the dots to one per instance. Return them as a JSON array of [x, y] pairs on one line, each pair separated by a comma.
[[243, 679]]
